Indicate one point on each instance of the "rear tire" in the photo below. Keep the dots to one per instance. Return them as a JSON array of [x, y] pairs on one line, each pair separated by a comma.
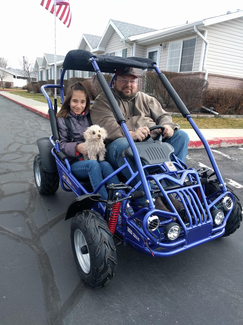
[[46, 183], [93, 248]]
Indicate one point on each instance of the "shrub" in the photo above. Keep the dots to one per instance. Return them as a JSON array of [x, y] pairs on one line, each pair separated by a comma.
[[29, 87], [35, 87], [87, 85], [190, 90], [8, 84], [41, 83], [95, 85], [71, 81], [224, 101]]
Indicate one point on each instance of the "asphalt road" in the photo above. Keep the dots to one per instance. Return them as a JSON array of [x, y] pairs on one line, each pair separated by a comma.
[[39, 283]]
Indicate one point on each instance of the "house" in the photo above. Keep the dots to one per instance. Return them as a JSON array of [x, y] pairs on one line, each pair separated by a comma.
[[15, 77], [45, 67], [211, 49]]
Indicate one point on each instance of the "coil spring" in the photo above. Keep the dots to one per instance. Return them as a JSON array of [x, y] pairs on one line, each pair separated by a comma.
[[113, 217]]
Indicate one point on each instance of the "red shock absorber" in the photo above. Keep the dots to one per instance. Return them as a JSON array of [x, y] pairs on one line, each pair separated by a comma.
[[114, 216]]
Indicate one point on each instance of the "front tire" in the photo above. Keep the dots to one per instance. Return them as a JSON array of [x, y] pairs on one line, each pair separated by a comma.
[[93, 248], [46, 183], [235, 217]]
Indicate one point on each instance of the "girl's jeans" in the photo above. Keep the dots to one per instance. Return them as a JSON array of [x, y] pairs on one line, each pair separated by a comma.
[[96, 171]]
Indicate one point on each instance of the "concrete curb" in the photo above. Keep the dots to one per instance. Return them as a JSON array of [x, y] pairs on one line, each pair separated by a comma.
[[217, 143], [30, 108]]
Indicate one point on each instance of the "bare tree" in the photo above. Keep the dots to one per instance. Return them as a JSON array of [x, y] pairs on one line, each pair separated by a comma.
[[27, 68], [3, 64]]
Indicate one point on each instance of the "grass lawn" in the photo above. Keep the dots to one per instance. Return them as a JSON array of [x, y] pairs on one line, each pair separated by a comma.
[[38, 97], [210, 123], [202, 123]]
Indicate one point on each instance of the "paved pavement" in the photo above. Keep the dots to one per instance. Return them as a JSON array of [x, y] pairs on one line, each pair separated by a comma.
[[216, 137]]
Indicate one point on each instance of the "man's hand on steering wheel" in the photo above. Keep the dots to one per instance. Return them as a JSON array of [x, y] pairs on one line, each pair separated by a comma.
[[140, 134], [168, 132]]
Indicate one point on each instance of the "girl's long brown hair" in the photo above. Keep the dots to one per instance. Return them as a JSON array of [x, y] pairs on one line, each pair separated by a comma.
[[65, 109]]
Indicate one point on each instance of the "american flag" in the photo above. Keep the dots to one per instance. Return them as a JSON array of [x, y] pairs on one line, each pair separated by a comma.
[[63, 11]]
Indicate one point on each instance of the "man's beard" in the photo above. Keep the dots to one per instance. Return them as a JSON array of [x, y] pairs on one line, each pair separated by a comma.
[[121, 94]]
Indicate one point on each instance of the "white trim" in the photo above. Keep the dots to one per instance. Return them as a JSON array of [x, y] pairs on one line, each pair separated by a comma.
[[154, 49]]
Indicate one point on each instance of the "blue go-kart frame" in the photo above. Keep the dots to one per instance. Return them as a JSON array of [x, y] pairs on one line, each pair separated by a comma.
[[210, 211]]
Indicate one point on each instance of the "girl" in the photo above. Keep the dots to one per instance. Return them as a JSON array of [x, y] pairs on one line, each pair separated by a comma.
[[76, 108]]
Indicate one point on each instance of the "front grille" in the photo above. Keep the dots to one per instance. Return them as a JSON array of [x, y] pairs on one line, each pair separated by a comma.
[[194, 200]]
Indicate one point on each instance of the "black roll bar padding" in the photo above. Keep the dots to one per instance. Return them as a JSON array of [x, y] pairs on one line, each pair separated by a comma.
[[54, 128], [111, 99], [173, 94]]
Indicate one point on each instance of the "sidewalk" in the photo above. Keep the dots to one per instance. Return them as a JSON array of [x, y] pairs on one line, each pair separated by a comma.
[[216, 138]]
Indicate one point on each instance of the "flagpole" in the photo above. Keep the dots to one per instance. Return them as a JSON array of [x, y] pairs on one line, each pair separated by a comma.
[[55, 58]]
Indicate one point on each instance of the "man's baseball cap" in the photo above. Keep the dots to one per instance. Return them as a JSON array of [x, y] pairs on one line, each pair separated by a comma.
[[127, 72]]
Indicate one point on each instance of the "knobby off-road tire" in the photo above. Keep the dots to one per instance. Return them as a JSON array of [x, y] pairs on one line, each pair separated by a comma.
[[235, 217], [93, 248], [46, 183]]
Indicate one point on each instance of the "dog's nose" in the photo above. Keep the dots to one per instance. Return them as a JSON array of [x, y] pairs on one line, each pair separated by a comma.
[[99, 136]]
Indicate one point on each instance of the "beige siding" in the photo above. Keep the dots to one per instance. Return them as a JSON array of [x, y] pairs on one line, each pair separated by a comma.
[[164, 57], [8, 77], [225, 52], [87, 48], [115, 45], [140, 51]]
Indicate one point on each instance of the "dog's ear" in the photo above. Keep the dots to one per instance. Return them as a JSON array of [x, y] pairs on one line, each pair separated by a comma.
[[103, 132]]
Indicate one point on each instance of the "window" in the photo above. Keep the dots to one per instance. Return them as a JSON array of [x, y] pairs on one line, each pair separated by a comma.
[[181, 55], [122, 53], [153, 53]]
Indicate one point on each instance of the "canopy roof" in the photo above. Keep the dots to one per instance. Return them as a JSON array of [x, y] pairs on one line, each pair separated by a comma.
[[80, 60]]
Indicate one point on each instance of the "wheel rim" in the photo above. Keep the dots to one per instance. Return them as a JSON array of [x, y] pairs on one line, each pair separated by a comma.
[[37, 175], [79, 244]]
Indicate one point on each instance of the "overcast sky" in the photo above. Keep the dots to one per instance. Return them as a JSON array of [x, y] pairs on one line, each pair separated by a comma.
[[27, 28]]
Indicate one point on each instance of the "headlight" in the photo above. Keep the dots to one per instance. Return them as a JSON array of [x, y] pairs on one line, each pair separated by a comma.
[[172, 231], [227, 203], [153, 223], [218, 216]]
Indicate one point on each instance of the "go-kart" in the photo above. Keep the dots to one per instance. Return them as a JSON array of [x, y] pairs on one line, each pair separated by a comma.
[[210, 209]]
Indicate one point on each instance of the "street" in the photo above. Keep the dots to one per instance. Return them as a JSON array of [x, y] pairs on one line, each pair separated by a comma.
[[39, 282]]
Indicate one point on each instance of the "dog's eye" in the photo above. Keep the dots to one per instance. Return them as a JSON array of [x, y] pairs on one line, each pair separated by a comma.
[[93, 132]]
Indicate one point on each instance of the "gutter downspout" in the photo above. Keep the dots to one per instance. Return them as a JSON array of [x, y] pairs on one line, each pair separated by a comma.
[[130, 47], [205, 52]]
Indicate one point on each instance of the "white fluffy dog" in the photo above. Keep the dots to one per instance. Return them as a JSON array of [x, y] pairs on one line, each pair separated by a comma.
[[94, 142]]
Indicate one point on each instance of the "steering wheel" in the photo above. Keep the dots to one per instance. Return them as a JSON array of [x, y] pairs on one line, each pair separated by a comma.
[[154, 128]]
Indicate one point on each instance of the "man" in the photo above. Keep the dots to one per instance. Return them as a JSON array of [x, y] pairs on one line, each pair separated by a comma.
[[141, 111]]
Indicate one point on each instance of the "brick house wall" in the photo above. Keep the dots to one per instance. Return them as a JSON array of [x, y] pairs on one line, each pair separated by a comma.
[[218, 81]]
